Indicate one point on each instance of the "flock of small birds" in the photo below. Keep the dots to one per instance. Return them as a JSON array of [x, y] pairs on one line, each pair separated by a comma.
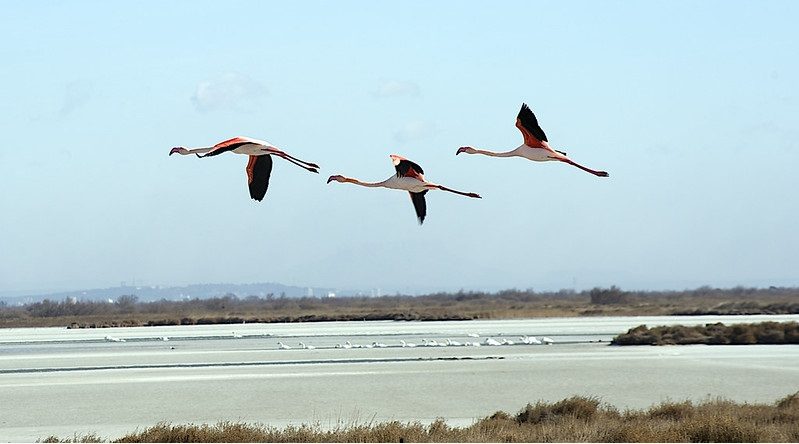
[[523, 340], [489, 341]]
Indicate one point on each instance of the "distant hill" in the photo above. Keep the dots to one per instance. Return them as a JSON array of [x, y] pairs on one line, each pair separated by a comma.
[[155, 293]]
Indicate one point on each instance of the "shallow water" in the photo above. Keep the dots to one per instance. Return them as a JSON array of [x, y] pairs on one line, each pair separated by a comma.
[[58, 381]]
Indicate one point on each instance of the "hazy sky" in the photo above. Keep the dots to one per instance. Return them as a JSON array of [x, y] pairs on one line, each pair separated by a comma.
[[693, 108]]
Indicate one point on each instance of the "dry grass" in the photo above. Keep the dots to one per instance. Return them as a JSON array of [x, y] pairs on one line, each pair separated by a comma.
[[577, 419], [712, 334], [506, 304]]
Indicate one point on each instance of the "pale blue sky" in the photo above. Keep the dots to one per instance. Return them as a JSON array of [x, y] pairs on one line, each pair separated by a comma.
[[691, 106]]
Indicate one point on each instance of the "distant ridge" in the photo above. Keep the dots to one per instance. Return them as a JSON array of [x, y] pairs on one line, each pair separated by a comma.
[[155, 293]]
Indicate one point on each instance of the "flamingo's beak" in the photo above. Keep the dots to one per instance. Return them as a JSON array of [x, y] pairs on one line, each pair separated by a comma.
[[461, 150], [331, 179]]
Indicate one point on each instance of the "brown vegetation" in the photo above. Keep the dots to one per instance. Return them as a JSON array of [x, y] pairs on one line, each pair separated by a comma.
[[506, 304], [577, 419], [712, 334]]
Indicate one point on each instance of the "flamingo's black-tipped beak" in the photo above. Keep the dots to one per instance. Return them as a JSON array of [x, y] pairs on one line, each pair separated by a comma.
[[331, 179], [174, 150], [461, 150]]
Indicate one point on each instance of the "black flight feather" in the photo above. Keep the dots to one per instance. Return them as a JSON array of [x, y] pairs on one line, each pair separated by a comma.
[[419, 205], [261, 171], [404, 165], [530, 123]]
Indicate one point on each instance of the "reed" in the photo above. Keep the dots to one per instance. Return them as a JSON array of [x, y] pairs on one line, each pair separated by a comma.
[[576, 419]]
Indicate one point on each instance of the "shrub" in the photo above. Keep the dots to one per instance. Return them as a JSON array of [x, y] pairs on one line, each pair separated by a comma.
[[578, 407]]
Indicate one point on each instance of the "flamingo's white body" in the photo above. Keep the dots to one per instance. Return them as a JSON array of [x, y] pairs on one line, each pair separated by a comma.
[[492, 341], [473, 335], [379, 345], [259, 168], [113, 339], [547, 341], [306, 347], [407, 344], [453, 343], [409, 177], [535, 146], [283, 346]]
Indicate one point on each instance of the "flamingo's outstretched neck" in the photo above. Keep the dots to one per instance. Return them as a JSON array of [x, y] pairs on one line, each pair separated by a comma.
[[472, 150], [343, 179], [443, 188], [185, 151], [594, 172]]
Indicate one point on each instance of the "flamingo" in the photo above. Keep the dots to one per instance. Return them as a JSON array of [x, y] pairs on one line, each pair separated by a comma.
[[407, 344], [283, 346], [535, 146], [453, 343], [492, 341], [547, 341], [259, 167], [306, 347], [409, 177]]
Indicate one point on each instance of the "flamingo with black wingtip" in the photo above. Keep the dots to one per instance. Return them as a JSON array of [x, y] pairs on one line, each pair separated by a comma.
[[535, 146], [409, 177], [259, 168]]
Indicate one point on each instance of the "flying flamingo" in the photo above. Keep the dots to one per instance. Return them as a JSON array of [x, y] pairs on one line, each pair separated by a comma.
[[535, 146], [409, 177], [260, 165]]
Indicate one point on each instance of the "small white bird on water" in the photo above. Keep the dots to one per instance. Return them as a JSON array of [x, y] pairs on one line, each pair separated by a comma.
[[283, 346], [492, 341], [407, 344], [547, 341], [306, 347], [531, 340]]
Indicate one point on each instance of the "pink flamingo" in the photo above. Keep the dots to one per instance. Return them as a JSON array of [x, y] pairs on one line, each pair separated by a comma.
[[409, 177], [535, 146], [259, 168]]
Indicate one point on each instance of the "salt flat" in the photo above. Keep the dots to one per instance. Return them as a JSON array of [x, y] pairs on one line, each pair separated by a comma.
[[58, 381]]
